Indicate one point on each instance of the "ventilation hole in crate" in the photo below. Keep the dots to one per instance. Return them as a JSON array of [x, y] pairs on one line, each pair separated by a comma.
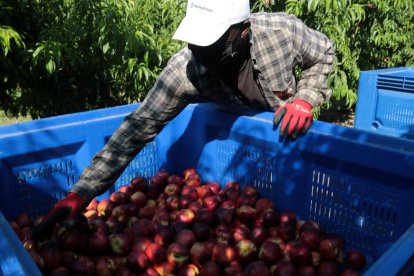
[[144, 164], [30, 180], [233, 158], [363, 212]]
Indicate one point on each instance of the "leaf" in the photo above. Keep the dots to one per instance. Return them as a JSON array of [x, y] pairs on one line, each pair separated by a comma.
[[38, 50], [328, 5], [105, 48], [312, 5], [51, 66]]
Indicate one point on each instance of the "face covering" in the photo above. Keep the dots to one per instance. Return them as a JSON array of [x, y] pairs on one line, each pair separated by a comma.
[[225, 53]]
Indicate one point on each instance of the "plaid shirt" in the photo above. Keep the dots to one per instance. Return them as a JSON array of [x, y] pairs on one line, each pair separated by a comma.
[[278, 43]]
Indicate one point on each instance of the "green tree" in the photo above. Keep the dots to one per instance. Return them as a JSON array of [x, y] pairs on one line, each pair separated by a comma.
[[64, 56], [82, 55]]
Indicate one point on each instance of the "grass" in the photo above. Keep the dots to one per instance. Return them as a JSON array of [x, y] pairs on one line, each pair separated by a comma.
[[4, 120]]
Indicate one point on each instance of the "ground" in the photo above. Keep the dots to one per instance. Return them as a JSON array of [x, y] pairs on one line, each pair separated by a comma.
[[337, 117]]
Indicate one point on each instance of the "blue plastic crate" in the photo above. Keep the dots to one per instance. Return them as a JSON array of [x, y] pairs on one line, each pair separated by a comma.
[[386, 102], [355, 183]]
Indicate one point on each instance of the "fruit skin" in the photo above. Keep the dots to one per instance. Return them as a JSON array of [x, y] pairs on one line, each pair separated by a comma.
[[355, 259], [247, 214], [83, 265], [139, 198], [246, 250], [329, 249], [200, 253], [138, 183], [310, 238], [310, 225], [60, 271], [188, 171], [98, 243], [204, 191], [270, 252], [188, 270], [121, 214], [119, 198], [300, 255], [256, 268], [69, 240], [192, 180], [120, 244], [50, 253], [164, 235], [185, 237], [283, 268], [175, 179], [270, 218], [172, 189], [104, 265], [285, 231], [206, 216], [38, 260], [288, 217], [202, 231], [211, 203], [156, 253], [138, 260], [211, 268], [349, 272], [186, 215], [165, 269], [235, 268], [23, 220], [223, 254], [258, 235], [224, 234], [262, 204], [306, 271], [225, 215], [250, 191], [328, 268], [177, 254]]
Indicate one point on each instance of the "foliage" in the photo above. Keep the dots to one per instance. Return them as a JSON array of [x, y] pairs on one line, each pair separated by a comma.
[[64, 56]]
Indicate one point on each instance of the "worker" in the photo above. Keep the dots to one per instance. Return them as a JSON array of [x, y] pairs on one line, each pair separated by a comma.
[[233, 57]]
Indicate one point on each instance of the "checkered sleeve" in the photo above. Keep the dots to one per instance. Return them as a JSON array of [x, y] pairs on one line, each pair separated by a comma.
[[317, 56], [162, 104]]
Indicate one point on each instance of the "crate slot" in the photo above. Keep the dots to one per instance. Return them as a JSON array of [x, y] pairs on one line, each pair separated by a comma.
[[402, 84], [144, 164], [258, 162], [342, 204]]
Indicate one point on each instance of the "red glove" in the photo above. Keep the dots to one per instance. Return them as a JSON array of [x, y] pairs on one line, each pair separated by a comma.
[[297, 118], [70, 206]]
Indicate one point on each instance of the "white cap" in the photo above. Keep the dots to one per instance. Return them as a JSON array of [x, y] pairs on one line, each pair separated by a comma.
[[207, 20]]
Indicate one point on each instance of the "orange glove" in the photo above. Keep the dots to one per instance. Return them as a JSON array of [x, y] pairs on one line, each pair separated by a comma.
[[297, 118]]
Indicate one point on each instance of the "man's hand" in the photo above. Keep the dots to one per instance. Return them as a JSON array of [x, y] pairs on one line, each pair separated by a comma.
[[69, 207], [297, 118]]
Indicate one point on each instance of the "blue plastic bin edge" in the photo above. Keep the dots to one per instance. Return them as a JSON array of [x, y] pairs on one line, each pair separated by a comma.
[[14, 258], [396, 260], [339, 135]]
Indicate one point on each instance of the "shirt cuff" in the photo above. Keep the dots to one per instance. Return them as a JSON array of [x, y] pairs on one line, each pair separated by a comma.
[[84, 190]]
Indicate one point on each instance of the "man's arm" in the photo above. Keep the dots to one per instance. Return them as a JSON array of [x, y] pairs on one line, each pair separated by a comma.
[[161, 105], [165, 101], [317, 55]]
